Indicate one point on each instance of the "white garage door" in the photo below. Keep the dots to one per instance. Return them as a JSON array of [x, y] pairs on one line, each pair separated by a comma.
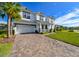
[[25, 29]]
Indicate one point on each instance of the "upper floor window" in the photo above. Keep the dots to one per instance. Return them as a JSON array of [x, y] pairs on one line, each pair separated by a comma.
[[46, 19], [41, 18], [26, 15]]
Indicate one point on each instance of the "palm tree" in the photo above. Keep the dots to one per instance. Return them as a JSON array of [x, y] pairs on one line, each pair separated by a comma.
[[2, 14], [16, 18], [12, 11]]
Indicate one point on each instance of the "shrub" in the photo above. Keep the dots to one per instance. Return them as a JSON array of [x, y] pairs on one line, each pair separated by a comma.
[[71, 31], [36, 31], [50, 30], [41, 33], [3, 31], [54, 30]]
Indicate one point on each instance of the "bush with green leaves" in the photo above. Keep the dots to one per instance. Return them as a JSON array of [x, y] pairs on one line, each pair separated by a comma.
[[71, 31], [3, 33]]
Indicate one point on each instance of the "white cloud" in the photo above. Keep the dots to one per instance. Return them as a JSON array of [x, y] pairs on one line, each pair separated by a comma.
[[71, 25], [77, 10], [67, 19], [71, 21]]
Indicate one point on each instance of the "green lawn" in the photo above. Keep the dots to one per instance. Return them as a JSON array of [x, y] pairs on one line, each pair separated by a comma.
[[5, 49], [69, 37]]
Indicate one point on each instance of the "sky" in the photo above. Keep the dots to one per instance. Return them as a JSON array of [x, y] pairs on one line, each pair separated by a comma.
[[65, 13]]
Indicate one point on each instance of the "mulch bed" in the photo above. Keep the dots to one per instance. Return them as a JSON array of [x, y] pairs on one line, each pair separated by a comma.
[[7, 40]]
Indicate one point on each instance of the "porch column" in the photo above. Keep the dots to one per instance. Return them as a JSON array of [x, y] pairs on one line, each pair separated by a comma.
[[40, 27], [47, 28], [51, 27], [44, 28], [37, 27]]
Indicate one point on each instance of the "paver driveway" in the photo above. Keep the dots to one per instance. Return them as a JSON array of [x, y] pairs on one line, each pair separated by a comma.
[[37, 45]]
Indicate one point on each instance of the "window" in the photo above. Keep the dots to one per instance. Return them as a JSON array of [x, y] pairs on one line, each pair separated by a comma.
[[46, 19], [26, 15], [41, 18]]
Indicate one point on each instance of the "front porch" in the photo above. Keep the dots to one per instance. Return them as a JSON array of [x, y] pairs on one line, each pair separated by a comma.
[[43, 27]]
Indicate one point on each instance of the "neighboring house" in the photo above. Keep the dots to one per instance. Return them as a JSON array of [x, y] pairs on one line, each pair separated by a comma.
[[33, 22], [3, 26]]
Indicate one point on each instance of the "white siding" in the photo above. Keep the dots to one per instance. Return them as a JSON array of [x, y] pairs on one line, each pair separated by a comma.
[[21, 14], [37, 17], [44, 19], [49, 20], [32, 16]]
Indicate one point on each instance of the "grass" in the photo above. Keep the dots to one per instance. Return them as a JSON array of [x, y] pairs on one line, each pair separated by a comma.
[[69, 37], [5, 49]]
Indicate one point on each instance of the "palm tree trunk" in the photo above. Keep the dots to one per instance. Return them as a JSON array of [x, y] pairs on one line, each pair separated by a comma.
[[11, 32], [9, 23]]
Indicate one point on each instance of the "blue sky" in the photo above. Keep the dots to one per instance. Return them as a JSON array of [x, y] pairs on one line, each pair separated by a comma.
[[65, 13]]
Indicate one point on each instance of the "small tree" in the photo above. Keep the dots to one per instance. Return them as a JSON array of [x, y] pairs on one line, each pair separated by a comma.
[[12, 11]]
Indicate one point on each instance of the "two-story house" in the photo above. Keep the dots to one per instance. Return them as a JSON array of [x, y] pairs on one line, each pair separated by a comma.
[[33, 22]]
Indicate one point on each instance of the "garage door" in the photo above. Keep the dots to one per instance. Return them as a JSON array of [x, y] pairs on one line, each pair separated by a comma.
[[25, 29]]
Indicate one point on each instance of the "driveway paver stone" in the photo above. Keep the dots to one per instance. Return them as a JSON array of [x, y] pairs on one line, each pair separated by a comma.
[[37, 45]]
